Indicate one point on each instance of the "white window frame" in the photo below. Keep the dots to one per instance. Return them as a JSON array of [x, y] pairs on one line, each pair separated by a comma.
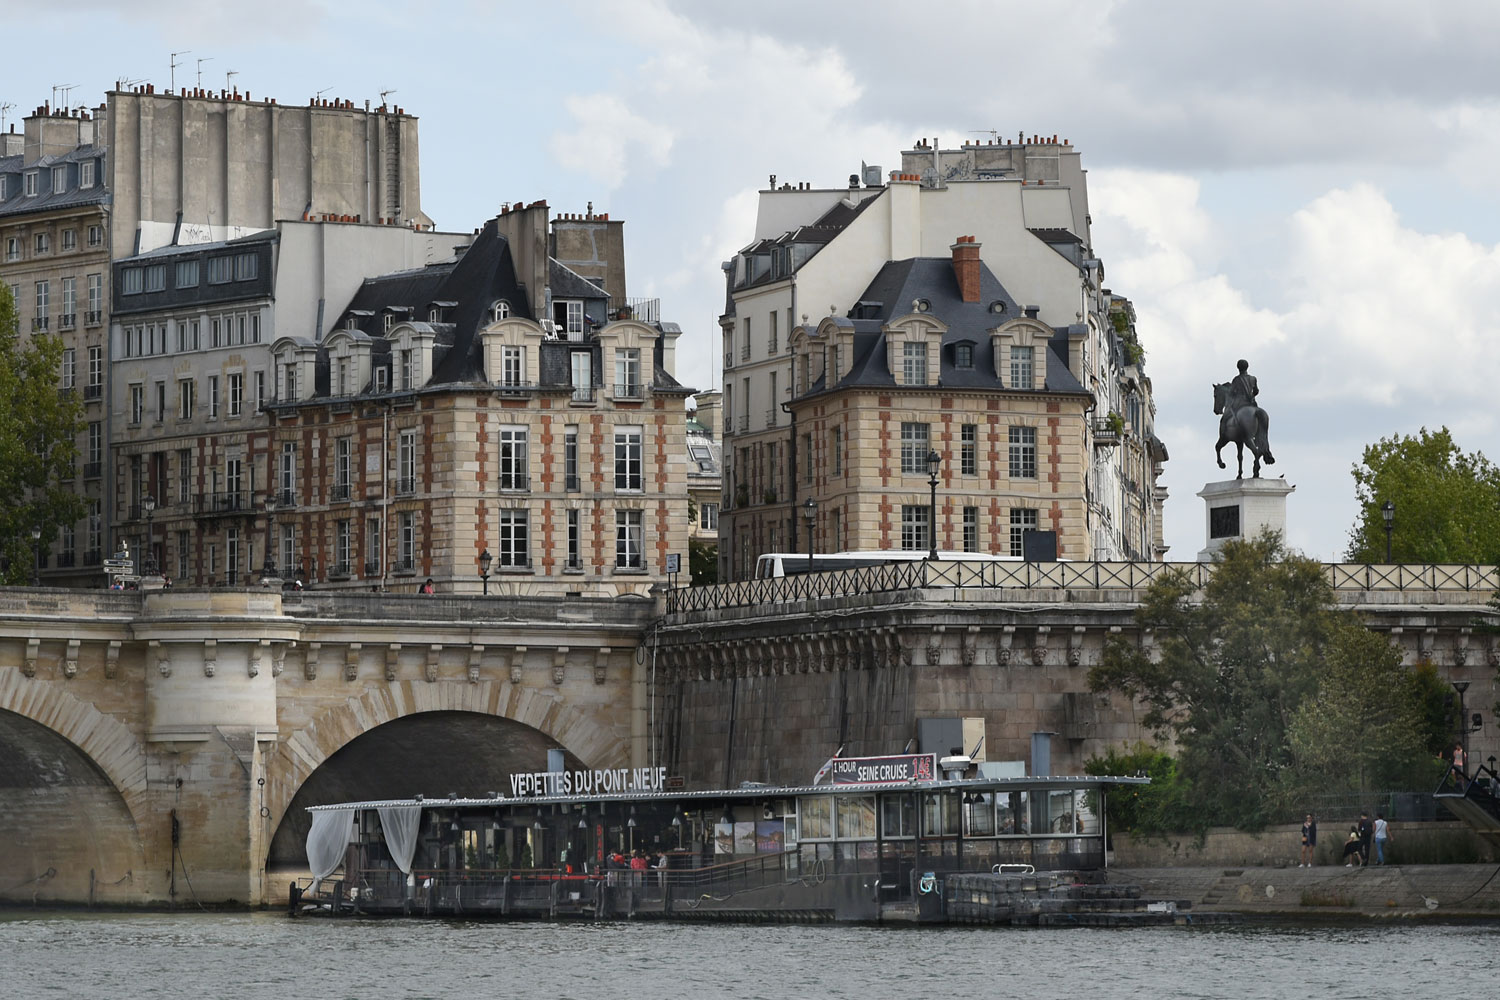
[[1022, 452], [916, 527], [914, 362], [630, 539], [916, 442], [1022, 367], [630, 458], [513, 538], [514, 457], [406, 461]]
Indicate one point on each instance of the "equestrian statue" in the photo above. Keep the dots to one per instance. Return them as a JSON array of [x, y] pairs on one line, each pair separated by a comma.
[[1242, 421]]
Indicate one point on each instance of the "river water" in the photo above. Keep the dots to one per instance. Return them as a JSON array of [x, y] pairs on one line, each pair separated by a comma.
[[268, 956]]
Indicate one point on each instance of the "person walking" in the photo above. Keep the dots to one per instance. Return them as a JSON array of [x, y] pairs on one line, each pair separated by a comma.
[[1382, 834], [1366, 832], [1309, 840], [1458, 765]]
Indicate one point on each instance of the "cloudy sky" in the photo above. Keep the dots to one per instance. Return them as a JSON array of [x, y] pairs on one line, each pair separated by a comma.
[[1304, 184]]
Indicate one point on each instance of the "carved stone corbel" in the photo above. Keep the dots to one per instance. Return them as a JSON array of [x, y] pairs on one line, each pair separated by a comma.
[[278, 657], [112, 659], [351, 660], [1003, 645], [158, 653], [968, 649], [935, 645], [1493, 654], [310, 660], [601, 662], [1426, 639], [1461, 647], [33, 650], [1075, 646], [559, 664], [1039, 646], [392, 661], [70, 659], [256, 652], [210, 657], [476, 654], [430, 671]]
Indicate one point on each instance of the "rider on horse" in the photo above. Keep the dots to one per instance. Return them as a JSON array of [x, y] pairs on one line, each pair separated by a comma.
[[1241, 420], [1242, 392]]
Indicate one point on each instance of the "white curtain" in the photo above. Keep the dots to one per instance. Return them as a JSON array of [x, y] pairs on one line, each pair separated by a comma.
[[401, 824], [331, 831]]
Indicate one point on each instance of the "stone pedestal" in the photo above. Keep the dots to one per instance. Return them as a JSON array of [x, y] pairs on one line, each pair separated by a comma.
[[1241, 508]]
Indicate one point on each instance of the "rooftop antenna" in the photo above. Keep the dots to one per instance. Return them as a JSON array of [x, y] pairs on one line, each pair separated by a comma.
[[993, 133], [175, 64], [127, 83], [384, 94], [323, 91], [200, 68], [62, 89], [5, 110], [228, 78]]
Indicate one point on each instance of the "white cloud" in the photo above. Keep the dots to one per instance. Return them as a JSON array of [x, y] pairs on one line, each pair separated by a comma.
[[607, 135]]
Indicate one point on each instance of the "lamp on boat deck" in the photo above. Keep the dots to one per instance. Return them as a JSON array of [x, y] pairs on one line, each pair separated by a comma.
[[677, 820]]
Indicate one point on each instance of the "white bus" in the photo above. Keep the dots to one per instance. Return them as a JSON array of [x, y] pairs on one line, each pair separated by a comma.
[[774, 564]]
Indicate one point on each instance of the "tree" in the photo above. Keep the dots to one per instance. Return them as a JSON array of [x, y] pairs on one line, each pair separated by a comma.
[[38, 429], [1447, 503], [1160, 807], [1230, 671], [703, 563]]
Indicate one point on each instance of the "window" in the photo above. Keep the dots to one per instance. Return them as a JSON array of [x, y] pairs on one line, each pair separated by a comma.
[[43, 301], [130, 281], [185, 400], [137, 403], [807, 460], [406, 461], [914, 448], [211, 561], [513, 539], [287, 390], [70, 239], [963, 356], [95, 532], [968, 450], [771, 345], [289, 548], [184, 567], [234, 481], [213, 397], [156, 277], [575, 317], [341, 468], [246, 266], [59, 179], [216, 331], [382, 378], [914, 363], [745, 345], [628, 458], [288, 473], [406, 556], [1023, 453], [570, 459], [86, 174], [96, 297], [582, 363], [96, 366], [512, 366], [387, 321], [96, 236], [239, 328], [12, 248], [838, 451], [374, 551], [500, 310], [628, 539], [220, 270], [575, 559], [1020, 368], [1022, 520], [29, 184], [260, 381], [161, 402], [343, 548], [184, 474], [236, 394], [341, 378], [628, 372], [255, 328], [708, 516], [514, 464], [69, 368], [971, 529], [408, 359], [43, 243], [916, 526], [187, 274]]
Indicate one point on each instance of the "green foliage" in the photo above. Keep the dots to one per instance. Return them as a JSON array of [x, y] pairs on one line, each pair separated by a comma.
[[1134, 352], [525, 860], [703, 563], [502, 856], [1116, 423], [1447, 502], [1230, 672], [1434, 707], [1158, 808], [38, 428]]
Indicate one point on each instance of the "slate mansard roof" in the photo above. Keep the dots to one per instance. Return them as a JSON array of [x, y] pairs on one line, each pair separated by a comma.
[[928, 285], [46, 199]]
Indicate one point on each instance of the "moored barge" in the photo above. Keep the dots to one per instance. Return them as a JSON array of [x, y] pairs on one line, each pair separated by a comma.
[[879, 840]]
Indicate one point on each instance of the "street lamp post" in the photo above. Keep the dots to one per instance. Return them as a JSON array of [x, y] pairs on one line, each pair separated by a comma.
[[810, 514], [484, 569], [933, 461], [268, 569], [36, 555], [1388, 512], [1466, 725], [148, 560]]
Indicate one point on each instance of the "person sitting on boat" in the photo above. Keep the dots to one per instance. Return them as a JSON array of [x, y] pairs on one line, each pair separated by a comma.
[[1352, 857]]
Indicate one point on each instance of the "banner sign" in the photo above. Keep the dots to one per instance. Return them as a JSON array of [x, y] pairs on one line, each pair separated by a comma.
[[880, 770]]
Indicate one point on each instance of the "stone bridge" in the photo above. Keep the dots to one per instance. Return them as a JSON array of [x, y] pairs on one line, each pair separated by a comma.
[[158, 747]]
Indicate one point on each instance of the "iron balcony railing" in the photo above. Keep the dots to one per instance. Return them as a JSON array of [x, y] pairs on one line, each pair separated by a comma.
[[93, 470], [571, 483], [93, 392], [93, 317], [583, 394], [286, 498], [231, 502], [340, 492], [67, 320], [628, 390], [1068, 577], [372, 567], [406, 485], [515, 481]]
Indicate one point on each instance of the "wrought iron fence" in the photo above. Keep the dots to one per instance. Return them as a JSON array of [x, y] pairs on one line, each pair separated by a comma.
[[1345, 578]]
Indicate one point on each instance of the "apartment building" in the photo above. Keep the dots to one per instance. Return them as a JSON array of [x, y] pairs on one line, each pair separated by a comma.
[[1022, 207]]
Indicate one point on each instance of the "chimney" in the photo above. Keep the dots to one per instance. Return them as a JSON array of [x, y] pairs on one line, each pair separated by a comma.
[[709, 405], [966, 268]]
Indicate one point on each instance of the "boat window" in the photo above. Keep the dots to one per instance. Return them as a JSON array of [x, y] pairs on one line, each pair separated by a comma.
[[1060, 816], [856, 817], [940, 814], [1012, 818], [815, 817], [898, 816], [979, 815]]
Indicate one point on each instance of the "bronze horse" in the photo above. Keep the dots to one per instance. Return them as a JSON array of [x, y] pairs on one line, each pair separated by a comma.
[[1247, 427]]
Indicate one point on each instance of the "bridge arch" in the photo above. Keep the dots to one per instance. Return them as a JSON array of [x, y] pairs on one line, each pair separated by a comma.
[[486, 725]]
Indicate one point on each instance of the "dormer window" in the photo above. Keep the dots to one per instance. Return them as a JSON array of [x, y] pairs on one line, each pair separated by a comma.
[[382, 379], [351, 323], [387, 321], [500, 310], [568, 315], [29, 183], [963, 356], [434, 315], [59, 179], [914, 362], [86, 174]]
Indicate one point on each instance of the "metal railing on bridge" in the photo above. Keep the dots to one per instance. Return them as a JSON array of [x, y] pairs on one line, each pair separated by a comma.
[[1344, 578]]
